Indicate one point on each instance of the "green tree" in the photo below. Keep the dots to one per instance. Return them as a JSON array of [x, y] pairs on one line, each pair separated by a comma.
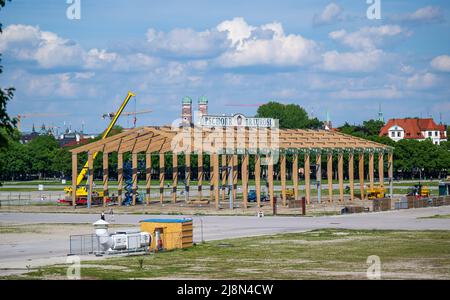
[[6, 95], [291, 116]]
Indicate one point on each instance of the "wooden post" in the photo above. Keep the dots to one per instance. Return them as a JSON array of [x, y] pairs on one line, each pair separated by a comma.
[[200, 175], [188, 175], [74, 178], [391, 173], [381, 168], [105, 178], [224, 176], [91, 177], [245, 180], [351, 175], [148, 177], [258, 179], [307, 177], [270, 178], [371, 170], [119, 177], [161, 177], [341, 175], [174, 176], [216, 179], [319, 176], [235, 163], [211, 177], [134, 163], [361, 174], [330, 175], [295, 175], [283, 177]]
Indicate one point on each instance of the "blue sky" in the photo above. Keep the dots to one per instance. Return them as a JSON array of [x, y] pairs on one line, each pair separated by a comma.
[[322, 55]]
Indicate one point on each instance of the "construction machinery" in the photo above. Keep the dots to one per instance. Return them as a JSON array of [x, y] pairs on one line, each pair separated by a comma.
[[377, 192], [132, 113], [20, 117], [419, 191], [82, 191]]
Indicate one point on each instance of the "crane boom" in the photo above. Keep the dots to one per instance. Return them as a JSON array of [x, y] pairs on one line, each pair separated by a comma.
[[105, 134]]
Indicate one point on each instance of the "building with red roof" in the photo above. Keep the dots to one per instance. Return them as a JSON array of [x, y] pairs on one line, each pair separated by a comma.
[[414, 128]]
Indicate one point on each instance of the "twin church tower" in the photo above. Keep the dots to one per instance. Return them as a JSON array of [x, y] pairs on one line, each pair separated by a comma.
[[186, 110]]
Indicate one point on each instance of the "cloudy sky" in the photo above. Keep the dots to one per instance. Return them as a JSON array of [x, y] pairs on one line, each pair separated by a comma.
[[322, 55]]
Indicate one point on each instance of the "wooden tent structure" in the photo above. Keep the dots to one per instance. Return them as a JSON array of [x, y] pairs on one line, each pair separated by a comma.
[[225, 145]]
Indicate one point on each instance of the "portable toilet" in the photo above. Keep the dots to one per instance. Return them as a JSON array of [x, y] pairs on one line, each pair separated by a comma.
[[169, 234]]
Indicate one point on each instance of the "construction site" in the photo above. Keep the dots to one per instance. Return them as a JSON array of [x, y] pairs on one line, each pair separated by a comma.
[[219, 162]]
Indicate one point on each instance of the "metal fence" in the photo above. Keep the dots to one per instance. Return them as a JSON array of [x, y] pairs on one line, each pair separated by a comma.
[[28, 198], [84, 244]]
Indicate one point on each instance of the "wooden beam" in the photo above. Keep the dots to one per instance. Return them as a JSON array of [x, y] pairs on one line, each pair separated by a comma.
[[224, 176], [161, 177], [361, 174], [295, 175], [174, 177], [148, 177], [105, 178], [258, 179], [283, 177], [391, 173], [216, 179], [91, 177], [74, 178], [270, 179], [381, 168], [188, 174], [200, 175], [341, 175], [245, 179], [120, 178], [235, 177], [211, 177], [371, 170], [307, 177], [330, 175], [319, 176], [134, 163], [351, 175]]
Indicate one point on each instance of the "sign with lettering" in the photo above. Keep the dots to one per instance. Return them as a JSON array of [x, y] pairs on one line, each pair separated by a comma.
[[237, 120]]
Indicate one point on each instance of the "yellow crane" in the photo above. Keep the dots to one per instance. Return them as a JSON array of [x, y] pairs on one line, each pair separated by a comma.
[[82, 191]]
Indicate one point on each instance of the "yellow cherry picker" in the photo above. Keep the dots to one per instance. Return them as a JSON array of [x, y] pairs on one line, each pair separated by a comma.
[[82, 191]]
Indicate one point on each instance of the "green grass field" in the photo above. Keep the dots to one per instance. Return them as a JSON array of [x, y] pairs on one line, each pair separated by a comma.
[[319, 254]]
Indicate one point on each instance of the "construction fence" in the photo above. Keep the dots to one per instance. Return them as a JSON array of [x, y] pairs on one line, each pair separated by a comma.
[[86, 244]]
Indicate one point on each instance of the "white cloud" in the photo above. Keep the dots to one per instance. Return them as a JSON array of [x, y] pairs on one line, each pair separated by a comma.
[[364, 61], [237, 30], [368, 38], [264, 45], [422, 81], [441, 63], [187, 42], [331, 14], [428, 14], [48, 50], [389, 92]]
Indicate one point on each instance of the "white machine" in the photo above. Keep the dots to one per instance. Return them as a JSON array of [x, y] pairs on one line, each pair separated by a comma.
[[119, 242]]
